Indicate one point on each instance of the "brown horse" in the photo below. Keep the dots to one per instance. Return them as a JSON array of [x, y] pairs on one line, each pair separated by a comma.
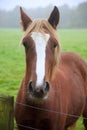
[[53, 93]]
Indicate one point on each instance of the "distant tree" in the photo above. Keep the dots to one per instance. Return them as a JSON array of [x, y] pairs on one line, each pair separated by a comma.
[[82, 15], [65, 12], [69, 17]]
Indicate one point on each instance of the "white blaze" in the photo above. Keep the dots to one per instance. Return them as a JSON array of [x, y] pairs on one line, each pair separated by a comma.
[[40, 43]]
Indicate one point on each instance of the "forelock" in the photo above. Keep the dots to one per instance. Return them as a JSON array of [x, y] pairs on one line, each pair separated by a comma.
[[42, 26]]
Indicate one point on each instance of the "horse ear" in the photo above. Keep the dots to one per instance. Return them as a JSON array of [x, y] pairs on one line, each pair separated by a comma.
[[25, 20], [54, 17]]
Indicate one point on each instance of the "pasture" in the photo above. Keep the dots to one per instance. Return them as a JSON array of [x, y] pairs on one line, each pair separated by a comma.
[[12, 57]]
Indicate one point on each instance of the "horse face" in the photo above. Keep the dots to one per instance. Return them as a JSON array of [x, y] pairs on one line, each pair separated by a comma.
[[41, 50], [35, 48]]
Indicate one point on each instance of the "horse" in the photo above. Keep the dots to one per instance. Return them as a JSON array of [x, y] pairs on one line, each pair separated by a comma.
[[53, 92]]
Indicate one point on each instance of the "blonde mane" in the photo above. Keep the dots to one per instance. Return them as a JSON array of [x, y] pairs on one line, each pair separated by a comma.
[[42, 26]]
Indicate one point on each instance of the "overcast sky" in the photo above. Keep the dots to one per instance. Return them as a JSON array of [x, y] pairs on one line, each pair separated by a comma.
[[10, 4]]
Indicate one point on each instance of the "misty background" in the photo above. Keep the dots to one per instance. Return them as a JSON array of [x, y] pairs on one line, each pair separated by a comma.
[[70, 17]]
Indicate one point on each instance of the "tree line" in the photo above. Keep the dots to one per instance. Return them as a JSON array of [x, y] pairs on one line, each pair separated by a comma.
[[75, 17]]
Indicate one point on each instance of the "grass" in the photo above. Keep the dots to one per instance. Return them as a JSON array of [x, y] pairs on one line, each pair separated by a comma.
[[11, 61], [12, 57], [74, 40]]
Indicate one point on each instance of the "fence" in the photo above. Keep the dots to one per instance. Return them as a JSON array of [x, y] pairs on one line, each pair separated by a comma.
[[6, 112], [7, 116]]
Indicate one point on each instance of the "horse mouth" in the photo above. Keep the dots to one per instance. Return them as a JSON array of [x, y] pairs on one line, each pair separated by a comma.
[[38, 95]]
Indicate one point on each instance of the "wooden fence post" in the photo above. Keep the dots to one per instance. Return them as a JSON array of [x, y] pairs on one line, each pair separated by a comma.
[[6, 112]]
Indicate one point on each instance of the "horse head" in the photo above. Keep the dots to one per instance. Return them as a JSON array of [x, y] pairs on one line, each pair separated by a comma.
[[42, 52]]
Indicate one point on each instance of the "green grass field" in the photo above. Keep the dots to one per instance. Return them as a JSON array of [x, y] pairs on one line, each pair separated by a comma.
[[12, 57]]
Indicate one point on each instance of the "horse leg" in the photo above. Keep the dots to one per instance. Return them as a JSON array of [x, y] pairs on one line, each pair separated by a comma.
[[85, 116]]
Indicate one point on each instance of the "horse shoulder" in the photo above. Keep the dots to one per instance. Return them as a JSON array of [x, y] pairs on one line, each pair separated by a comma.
[[74, 61]]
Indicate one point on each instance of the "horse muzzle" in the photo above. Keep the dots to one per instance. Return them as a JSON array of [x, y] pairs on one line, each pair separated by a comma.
[[38, 91]]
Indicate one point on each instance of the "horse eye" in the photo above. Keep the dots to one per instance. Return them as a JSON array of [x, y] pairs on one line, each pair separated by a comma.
[[24, 44], [54, 45]]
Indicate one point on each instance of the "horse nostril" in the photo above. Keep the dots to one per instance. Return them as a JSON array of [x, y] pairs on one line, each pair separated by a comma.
[[47, 86], [39, 91], [30, 86]]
